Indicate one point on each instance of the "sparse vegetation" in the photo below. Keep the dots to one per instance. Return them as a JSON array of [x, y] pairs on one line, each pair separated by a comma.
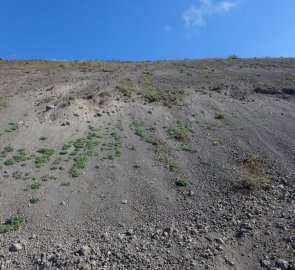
[[182, 182], [141, 132], [180, 132], [12, 224], [65, 184], [35, 185], [43, 138], [252, 184], [80, 163], [48, 177], [34, 200], [232, 56], [173, 167]]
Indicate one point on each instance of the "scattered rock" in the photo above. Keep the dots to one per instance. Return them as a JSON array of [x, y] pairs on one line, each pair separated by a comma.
[[85, 251], [282, 264], [15, 247], [124, 201], [50, 107], [220, 241], [265, 263]]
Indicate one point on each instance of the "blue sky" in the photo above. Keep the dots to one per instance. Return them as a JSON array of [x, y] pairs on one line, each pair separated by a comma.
[[146, 29]]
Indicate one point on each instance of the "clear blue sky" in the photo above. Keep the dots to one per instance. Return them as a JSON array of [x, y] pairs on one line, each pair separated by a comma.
[[146, 29]]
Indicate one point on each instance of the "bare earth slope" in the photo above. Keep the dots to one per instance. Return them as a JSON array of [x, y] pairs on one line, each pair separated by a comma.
[[148, 165]]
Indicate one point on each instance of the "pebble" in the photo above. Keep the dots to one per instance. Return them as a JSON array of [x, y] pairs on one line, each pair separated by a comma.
[[282, 264], [124, 201], [15, 247]]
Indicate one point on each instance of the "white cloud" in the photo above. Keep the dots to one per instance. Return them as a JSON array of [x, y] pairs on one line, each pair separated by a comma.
[[196, 16]]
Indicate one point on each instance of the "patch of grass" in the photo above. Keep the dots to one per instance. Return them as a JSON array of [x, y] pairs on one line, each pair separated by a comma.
[[252, 184], [65, 184], [48, 177], [173, 167], [254, 164], [180, 132], [9, 162], [7, 149], [12, 127], [22, 155], [153, 94], [17, 175], [79, 164], [35, 185], [40, 161], [232, 56], [66, 146], [43, 138], [127, 88], [56, 162], [34, 200], [182, 182], [12, 224], [98, 114], [46, 151], [141, 132]]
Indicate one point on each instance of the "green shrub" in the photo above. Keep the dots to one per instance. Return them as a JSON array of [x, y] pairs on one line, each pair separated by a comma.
[[12, 224], [182, 182]]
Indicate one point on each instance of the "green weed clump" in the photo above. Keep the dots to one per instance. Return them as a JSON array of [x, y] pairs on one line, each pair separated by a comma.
[[79, 164], [35, 185], [12, 224], [182, 182], [34, 200], [141, 132], [180, 132]]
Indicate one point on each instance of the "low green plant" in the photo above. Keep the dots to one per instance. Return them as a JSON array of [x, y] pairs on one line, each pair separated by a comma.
[[46, 151], [34, 200], [35, 185], [79, 164], [40, 161], [9, 162], [12, 224], [48, 177], [180, 132], [141, 132], [251, 183], [182, 182], [232, 56], [173, 167], [7, 149], [43, 138], [22, 155], [65, 184]]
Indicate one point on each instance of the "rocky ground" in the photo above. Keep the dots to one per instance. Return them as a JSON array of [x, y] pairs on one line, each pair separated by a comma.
[[149, 165]]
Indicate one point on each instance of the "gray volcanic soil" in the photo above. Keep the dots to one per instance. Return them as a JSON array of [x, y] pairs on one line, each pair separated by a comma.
[[225, 127]]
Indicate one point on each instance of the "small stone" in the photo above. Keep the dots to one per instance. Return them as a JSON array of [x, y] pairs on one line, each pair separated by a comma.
[[282, 264], [191, 193], [265, 263], [124, 201], [220, 241], [62, 203], [85, 250], [129, 232], [15, 247], [49, 107]]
